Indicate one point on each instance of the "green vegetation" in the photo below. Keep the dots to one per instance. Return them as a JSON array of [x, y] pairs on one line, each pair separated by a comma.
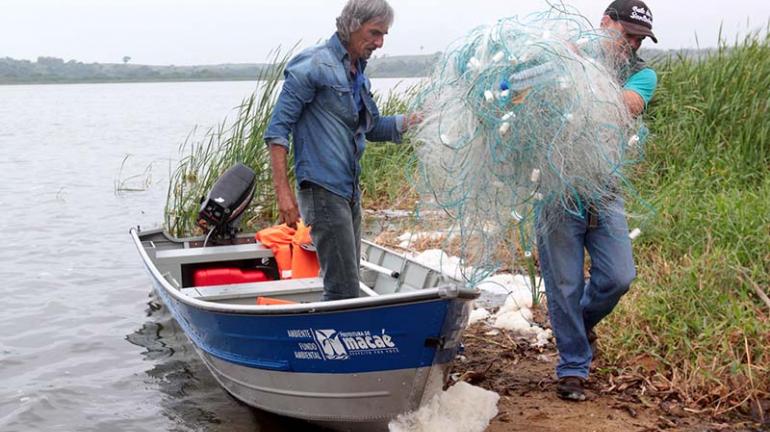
[[694, 326], [205, 160], [384, 181], [694, 312]]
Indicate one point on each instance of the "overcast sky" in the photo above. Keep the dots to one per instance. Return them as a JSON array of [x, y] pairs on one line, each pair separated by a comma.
[[185, 32]]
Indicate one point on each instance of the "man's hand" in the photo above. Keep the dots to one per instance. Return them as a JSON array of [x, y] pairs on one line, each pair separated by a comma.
[[287, 208], [287, 203], [412, 119]]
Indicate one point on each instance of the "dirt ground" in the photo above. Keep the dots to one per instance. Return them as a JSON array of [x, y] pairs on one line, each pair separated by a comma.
[[524, 378]]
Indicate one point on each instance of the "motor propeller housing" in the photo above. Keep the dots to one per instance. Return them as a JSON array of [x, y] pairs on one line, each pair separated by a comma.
[[230, 196]]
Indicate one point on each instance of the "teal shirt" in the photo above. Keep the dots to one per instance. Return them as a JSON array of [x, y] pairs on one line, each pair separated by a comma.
[[643, 83]]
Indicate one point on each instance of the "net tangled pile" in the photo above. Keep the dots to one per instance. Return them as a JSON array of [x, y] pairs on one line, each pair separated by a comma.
[[520, 118]]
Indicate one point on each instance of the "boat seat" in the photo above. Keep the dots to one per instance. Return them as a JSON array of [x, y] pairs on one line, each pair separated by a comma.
[[219, 253], [281, 288]]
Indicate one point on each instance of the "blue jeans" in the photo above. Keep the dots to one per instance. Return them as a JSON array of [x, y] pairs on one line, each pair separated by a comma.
[[575, 305], [336, 234]]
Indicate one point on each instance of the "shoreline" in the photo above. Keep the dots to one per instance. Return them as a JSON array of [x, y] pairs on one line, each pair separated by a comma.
[[180, 80]]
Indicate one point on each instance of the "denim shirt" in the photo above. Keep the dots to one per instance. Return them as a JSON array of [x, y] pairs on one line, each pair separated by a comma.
[[316, 107]]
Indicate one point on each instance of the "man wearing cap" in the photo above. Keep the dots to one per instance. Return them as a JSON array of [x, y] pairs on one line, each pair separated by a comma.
[[631, 21], [576, 305]]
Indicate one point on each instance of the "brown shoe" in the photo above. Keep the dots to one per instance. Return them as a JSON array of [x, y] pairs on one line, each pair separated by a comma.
[[571, 388]]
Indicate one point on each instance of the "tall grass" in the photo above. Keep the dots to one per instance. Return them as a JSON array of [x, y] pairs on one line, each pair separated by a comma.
[[694, 309], [383, 181], [386, 168], [713, 112], [238, 141]]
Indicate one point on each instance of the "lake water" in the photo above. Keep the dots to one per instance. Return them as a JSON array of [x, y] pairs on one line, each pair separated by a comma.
[[84, 345]]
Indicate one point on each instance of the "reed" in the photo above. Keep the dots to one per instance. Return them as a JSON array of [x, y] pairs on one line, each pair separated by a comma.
[[240, 140], [695, 309], [713, 113], [385, 167]]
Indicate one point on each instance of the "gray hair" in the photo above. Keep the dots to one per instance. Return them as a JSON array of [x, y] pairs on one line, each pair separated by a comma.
[[357, 12]]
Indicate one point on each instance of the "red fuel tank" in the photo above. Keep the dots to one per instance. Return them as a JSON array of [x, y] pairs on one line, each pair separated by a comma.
[[225, 276]]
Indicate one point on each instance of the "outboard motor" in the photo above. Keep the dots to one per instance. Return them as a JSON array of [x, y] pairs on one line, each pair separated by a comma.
[[229, 197]]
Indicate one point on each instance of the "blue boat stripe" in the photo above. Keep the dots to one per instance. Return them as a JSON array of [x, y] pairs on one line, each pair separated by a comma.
[[382, 338]]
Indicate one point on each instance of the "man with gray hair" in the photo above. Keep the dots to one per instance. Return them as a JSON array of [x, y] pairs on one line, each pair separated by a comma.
[[326, 106]]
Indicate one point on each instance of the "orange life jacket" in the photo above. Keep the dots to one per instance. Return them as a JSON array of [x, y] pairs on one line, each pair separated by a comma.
[[293, 250], [304, 260], [272, 301]]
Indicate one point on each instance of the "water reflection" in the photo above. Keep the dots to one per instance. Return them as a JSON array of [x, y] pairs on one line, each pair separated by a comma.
[[193, 400]]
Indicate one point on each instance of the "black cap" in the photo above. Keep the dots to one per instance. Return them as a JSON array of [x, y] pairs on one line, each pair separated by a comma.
[[633, 15]]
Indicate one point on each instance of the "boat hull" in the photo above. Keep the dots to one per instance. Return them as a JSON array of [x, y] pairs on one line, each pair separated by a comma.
[[350, 367], [347, 402]]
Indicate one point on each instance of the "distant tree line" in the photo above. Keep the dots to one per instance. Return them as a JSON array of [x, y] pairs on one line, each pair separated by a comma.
[[56, 70], [402, 66]]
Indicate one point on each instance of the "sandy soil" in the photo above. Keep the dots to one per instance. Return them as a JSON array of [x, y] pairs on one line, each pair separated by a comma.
[[524, 378]]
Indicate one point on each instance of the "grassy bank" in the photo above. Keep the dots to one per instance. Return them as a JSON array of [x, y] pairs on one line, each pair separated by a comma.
[[694, 320], [693, 327]]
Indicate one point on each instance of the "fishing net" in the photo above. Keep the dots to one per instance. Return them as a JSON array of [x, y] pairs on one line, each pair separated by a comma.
[[524, 124]]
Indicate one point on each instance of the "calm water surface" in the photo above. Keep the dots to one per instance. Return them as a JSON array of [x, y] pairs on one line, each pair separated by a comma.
[[84, 345]]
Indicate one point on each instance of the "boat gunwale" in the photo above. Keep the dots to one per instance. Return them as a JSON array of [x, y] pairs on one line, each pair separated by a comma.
[[445, 292]]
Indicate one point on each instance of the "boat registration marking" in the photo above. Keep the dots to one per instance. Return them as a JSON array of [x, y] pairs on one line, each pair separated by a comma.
[[330, 344]]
